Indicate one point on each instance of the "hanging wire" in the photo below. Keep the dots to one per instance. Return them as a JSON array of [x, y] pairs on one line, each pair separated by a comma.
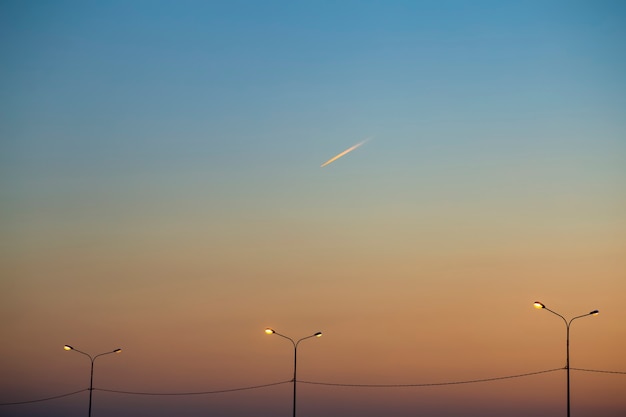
[[46, 399], [596, 370], [431, 383], [192, 393]]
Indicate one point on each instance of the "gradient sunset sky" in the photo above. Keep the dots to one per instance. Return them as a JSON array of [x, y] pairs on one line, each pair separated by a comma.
[[161, 191]]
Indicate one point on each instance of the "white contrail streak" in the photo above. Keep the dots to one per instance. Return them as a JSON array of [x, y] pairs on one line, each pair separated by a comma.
[[350, 149]]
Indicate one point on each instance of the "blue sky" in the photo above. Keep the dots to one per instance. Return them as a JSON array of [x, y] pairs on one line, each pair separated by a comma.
[[148, 86], [207, 98]]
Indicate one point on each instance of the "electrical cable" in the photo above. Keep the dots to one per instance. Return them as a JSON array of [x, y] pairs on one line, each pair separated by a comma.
[[596, 370], [430, 384], [46, 399], [192, 393]]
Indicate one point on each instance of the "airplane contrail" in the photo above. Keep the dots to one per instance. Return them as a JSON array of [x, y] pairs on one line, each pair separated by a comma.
[[350, 149]]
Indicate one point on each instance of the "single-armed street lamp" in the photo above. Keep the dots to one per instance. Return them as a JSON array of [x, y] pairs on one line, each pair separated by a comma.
[[539, 305], [295, 357], [92, 359]]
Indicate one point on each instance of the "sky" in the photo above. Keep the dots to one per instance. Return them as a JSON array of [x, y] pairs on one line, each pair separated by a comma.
[[161, 192]]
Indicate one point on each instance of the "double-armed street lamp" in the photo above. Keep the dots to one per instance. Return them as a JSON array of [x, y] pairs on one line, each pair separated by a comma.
[[92, 359], [542, 306], [295, 357]]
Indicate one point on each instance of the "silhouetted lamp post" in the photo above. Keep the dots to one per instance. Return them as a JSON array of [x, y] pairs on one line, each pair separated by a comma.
[[295, 358], [539, 305], [92, 359]]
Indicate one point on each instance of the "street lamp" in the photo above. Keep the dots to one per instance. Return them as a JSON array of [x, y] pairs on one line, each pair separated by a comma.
[[92, 359], [295, 357], [542, 306]]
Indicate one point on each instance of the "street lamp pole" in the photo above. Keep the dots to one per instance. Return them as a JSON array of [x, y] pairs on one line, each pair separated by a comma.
[[92, 359], [295, 357], [539, 305]]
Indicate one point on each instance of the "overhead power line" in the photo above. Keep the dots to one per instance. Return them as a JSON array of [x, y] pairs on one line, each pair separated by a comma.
[[46, 399], [192, 393], [596, 370], [430, 384]]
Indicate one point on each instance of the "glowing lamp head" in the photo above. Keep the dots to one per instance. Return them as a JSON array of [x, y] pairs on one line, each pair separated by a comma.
[[594, 313], [539, 305], [318, 334], [118, 350], [269, 331], [68, 347]]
